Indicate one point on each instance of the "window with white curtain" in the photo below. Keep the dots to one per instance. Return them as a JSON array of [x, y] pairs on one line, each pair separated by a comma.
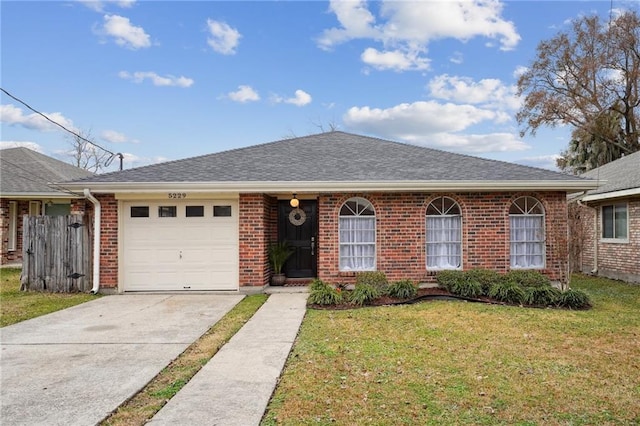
[[444, 234], [357, 228], [526, 220]]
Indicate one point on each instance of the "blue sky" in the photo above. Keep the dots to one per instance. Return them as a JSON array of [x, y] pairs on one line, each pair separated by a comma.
[[164, 80]]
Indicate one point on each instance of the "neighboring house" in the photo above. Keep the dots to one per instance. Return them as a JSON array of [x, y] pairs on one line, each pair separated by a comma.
[[610, 221], [27, 188], [344, 202]]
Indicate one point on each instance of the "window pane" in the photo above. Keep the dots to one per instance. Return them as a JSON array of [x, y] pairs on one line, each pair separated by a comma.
[[222, 211], [167, 211], [194, 211], [621, 221], [139, 211], [607, 222], [357, 230]]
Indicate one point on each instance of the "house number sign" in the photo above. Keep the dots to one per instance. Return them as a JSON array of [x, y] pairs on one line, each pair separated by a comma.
[[297, 217], [177, 195]]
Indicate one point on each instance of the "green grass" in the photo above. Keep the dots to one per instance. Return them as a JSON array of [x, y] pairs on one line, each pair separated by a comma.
[[445, 362], [16, 305]]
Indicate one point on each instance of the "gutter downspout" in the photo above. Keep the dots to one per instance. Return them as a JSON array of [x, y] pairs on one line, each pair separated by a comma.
[[96, 240], [595, 236]]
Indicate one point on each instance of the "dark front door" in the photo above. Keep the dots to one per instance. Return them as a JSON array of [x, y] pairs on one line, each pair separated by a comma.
[[298, 227]]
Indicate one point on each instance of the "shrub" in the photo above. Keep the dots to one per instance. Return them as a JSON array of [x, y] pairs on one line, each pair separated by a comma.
[[364, 294], [507, 291], [528, 278], [376, 279], [485, 277], [448, 279], [317, 284], [322, 293], [574, 299], [403, 289], [466, 287], [544, 296]]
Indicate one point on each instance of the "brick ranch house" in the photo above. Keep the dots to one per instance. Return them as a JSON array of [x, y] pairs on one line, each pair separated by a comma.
[[608, 227], [345, 203], [27, 188]]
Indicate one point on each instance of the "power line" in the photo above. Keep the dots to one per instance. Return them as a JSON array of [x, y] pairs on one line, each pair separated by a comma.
[[112, 154]]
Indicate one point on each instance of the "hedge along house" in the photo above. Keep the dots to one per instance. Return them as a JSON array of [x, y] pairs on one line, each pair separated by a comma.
[[344, 202]]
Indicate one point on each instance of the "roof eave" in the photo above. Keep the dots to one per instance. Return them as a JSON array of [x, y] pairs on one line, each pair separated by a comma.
[[38, 195], [332, 186], [613, 194]]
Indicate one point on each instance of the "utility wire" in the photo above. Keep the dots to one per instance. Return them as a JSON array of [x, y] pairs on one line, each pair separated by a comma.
[[106, 163]]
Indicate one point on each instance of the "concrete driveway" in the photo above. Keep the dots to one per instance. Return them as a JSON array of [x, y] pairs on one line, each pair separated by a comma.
[[74, 367]]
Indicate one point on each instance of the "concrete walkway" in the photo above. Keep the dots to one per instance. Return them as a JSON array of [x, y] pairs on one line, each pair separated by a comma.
[[75, 366], [235, 386]]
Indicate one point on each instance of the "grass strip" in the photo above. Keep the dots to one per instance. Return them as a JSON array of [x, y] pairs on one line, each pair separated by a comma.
[[146, 403], [17, 306]]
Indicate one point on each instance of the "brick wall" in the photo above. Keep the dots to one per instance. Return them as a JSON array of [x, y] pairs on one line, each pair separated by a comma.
[[257, 228], [108, 241], [617, 260], [400, 235], [400, 228]]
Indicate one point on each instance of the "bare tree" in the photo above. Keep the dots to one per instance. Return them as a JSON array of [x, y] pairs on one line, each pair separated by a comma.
[[86, 155], [586, 76]]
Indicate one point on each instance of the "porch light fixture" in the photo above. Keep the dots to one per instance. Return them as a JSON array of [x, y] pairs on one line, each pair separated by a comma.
[[294, 201]]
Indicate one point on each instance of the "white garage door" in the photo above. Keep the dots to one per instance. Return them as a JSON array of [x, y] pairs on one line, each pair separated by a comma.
[[180, 245]]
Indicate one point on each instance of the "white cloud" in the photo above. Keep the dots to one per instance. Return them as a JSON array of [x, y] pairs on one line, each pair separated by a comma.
[[424, 117], [409, 27], [116, 137], [487, 92], [300, 99], [434, 124], [17, 144], [394, 60], [99, 6], [542, 161], [13, 115], [156, 80], [457, 58], [356, 21], [223, 39], [519, 71], [125, 34], [244, 94], [132, 160]]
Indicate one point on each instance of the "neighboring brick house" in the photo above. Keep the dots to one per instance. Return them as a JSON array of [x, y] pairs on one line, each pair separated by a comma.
[[27, 188], [609, 231], [345, 203]]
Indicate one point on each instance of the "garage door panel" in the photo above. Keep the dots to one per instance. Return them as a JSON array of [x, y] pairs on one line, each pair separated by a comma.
[[180, 253]]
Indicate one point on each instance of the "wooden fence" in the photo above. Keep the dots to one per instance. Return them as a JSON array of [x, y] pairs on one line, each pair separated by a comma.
[[56, 254]]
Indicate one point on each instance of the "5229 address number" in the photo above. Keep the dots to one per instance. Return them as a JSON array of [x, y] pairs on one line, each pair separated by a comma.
[[177, 195]]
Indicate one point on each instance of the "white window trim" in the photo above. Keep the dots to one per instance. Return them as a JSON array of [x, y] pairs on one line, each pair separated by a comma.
[[426, 260], [601, 219], [375, 239], [544, 235], [13, 226]]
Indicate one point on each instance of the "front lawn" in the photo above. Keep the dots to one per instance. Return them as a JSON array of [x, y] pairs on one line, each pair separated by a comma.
[[16, 305], [448, 362]]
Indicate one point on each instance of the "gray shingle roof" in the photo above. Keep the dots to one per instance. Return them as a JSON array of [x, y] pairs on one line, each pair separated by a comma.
[[621, 174], [331, 157], [23, 171]]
